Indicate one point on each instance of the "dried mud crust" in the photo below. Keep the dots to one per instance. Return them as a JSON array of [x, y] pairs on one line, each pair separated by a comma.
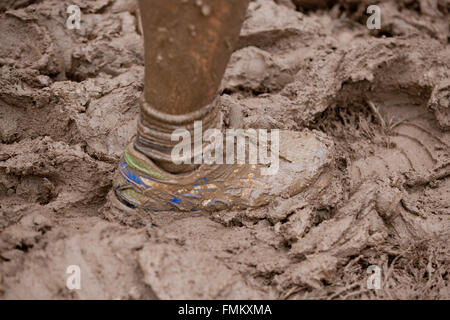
[[68, 107]]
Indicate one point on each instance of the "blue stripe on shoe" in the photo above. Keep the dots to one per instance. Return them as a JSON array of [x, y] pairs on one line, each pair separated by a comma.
[[129, 176], [192, 195]]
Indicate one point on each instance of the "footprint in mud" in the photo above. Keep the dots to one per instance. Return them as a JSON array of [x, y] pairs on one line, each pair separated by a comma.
[[418, 147], [386, 197]]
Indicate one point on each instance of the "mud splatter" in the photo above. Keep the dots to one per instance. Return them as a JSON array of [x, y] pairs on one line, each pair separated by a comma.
[[68, 107]]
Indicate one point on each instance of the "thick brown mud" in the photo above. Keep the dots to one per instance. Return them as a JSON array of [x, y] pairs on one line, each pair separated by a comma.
[[69, 102]]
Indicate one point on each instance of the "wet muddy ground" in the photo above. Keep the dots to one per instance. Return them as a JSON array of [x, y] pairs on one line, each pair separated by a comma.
[[69, 105]]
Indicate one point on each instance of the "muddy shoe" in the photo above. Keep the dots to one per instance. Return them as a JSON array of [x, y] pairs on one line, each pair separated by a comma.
[[140, 184]]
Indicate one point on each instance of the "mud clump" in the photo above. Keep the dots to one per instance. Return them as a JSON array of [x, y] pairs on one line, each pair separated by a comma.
[[69, 105]]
